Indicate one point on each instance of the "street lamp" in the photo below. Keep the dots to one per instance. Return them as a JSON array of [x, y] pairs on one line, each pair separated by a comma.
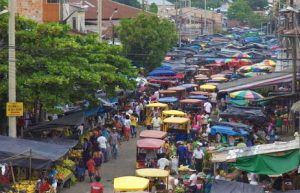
[[112, 24]]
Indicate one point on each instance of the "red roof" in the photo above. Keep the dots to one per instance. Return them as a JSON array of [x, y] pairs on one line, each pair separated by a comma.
[[153, 134], [148, 143], [108, 7]]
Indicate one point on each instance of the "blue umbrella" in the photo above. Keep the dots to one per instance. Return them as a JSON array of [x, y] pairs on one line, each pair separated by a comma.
[[200, 97], [162, 73], [168, 100]]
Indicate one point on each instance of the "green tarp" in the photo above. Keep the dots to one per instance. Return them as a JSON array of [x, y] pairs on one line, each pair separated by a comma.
[[270, 164]]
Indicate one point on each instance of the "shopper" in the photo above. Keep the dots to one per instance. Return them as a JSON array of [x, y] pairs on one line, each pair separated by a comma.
[[98, 159], [91, 166], [97, 187]]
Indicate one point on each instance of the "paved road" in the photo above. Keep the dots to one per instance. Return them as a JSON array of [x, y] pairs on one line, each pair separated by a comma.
[[123, 166]]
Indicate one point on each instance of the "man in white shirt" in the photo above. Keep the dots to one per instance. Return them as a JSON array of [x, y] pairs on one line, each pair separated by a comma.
[[162, 163], [198, 157], [156, 122], [103, 146], [207, 107]]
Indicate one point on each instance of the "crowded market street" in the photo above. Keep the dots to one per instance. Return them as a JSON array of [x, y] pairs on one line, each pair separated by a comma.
[[149, 96]]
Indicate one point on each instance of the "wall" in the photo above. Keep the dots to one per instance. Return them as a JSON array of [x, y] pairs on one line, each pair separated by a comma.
[[31, 9], [50, 12]]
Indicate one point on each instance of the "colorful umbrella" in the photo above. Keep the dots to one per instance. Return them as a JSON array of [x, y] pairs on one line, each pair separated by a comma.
[[241, 55], [262, 68], [269, 63], [244, 69], [207, 87], [230, 60], [253, 74], [245, 95]]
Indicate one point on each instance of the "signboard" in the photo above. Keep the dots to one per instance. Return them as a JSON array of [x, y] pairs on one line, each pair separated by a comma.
[[14, 109]]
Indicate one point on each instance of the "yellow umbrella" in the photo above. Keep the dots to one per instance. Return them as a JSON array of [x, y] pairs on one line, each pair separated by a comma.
[[130, 183], [152, 173], [219, 78], [207, 87]]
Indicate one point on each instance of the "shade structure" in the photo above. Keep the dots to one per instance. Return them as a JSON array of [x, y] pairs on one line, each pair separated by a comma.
[[202, 78], [241, 56], [176, 120], [199, 97], [168, 100], [187, 85], [245, 95], [219, 78], [173, 112], [159, 105], [149, 143], [230, 60], [200, 93], [177, 88], [208, 87], [190, 101], [270, 164], [167, 91], [130, 183], [253, 74], [152, 173], [268, 62], [153, 134], [244, 69], [262, 68], [162, 73]]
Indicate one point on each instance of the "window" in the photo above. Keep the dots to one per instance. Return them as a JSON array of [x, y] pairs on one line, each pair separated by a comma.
[[52, 1]]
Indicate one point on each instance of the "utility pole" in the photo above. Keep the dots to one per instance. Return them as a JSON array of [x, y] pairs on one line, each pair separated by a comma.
[[180, 21], [12, 65], [61, 6], [205, 24], [294, 56], [100, 19]]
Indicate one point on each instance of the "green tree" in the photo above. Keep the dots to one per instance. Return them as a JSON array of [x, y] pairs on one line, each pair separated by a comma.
[[240, 10], [56, 67], [153, 8], [258, 4], [133, 3], [146, 39], [3, 4], [257, 20]]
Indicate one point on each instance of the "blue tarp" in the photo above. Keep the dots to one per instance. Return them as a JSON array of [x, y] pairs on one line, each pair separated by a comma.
[[162, 73], [168, 100], [253, 40], [186, 86], [94, 111], [20, 150], [228, 131], [200, 97], [164, 67]]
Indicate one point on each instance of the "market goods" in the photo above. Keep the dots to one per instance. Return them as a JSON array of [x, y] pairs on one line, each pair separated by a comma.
[[75, 153], [68, 163], [28, 186], [63, 173], [183, 168]]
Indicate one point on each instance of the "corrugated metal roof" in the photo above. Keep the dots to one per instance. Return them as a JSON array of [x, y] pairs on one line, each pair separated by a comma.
[[234, 85]]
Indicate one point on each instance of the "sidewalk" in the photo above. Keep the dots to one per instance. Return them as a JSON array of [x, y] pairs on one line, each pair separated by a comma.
[[123, 166]]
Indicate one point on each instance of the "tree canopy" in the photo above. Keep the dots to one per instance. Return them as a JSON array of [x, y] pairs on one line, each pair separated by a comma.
[[57, 67], [153, 8], [148, 37], [241, 11], [258, 4]]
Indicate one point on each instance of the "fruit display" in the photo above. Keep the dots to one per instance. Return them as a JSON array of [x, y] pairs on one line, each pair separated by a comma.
[[68, 164], [76, 153], [63, 173], [26, 185], [183, 168]]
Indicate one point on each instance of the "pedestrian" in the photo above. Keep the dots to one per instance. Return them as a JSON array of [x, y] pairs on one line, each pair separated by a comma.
[[193, 182], [181, 152], [97, 187], [103, 146], [80, 130], [91, 166], [127, 123], [44, 186], [114, 140], [98, 159], [156, 122], [207, 107], [53, 178], [133, 125], [198, 157], [80, 171]]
